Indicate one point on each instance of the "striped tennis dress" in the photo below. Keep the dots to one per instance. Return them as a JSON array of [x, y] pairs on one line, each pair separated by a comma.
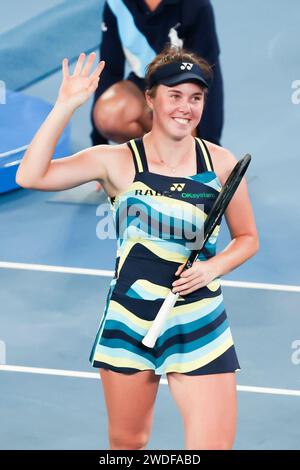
[[158, 219]]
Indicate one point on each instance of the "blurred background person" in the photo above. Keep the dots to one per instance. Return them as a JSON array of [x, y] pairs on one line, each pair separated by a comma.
[[133, 32]]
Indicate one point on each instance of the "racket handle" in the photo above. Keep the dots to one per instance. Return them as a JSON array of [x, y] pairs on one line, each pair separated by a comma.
[[154, 331]]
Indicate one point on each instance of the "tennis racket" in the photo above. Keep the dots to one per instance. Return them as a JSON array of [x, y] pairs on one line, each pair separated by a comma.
[[210, 223]]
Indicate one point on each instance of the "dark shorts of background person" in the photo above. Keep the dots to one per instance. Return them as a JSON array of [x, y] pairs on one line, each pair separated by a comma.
[[211, 124]]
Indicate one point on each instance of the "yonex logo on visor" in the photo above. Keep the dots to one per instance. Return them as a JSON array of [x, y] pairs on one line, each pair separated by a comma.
[[175, 73], [186, 65]]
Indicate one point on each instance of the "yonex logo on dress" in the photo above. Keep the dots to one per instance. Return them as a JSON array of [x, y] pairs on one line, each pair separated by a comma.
[[186, 66], [177, 187]]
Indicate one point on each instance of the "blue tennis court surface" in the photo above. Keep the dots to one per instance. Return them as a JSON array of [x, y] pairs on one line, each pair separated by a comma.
[[55, 272]]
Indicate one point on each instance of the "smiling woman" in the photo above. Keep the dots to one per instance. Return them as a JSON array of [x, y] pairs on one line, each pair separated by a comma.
[[150, 177], [195, 348]]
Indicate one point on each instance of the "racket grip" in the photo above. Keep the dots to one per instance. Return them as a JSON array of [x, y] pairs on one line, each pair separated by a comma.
[[154, 331]]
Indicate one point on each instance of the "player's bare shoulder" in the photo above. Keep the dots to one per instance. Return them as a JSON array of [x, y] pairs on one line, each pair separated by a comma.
[[223, 160], [119, 168]]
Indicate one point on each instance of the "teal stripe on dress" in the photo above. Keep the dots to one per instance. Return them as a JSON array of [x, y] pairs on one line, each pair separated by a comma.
[[128, 349], [198, 348], [120, 326], [209, 178], [143, 294], [116, 320], [173, 327]]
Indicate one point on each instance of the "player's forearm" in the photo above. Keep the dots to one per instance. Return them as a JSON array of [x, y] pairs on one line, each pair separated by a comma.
[[39, 153], [236, 253]]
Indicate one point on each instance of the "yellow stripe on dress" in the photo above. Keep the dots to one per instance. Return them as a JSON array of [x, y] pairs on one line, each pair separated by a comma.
[[154, 290], [137, 155], [120, 361], [214, 285], [193, 365], [117, 307]]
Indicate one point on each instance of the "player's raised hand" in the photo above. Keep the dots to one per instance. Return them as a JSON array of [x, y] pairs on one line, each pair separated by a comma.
[[77, 88]]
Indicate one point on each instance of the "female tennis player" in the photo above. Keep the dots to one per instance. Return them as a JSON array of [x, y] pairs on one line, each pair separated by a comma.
[[172, 179]]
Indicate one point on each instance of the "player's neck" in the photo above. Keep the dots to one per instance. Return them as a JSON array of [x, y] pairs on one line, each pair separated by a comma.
[[164, 147]]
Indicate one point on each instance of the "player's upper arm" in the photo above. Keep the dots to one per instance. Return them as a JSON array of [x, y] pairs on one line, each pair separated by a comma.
[[239, 213], [67, 172]]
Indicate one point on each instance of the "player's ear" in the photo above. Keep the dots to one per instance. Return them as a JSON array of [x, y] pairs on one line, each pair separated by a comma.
[[149, 99]]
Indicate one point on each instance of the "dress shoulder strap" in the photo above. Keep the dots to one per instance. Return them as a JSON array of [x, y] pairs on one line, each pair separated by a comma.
[[139, 157], [205, 154]]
